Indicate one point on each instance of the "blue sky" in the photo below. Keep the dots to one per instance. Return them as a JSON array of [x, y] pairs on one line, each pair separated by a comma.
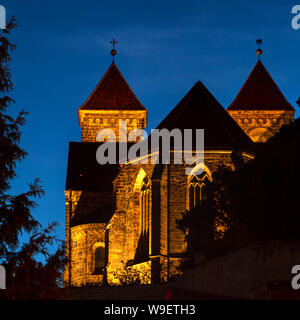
[[164, 48]]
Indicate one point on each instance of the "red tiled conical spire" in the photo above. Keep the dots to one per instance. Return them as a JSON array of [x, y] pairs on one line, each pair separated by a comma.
[[112, 93], [260, 92]]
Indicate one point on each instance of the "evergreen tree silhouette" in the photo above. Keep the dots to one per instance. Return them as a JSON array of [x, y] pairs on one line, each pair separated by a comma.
[[26, 276]]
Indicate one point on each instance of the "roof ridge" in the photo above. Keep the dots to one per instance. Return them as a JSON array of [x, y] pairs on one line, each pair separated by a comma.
[[127, 84], [199, 109], [97, 86], [178, 106], [244, 84], [209, 96]]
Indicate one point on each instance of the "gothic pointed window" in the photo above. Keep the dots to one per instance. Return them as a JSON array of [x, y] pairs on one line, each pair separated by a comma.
[[145, 217], [196, 189]]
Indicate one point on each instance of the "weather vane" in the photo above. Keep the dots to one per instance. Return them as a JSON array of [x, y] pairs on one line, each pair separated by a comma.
[[259, 50], [113, 51]]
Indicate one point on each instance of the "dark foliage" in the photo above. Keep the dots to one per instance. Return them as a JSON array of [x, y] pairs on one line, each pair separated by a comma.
[[265, 191], [258, 202], [26, 276]]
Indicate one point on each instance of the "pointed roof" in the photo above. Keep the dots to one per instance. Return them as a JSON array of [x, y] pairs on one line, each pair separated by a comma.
[[112, 93], [260, 92], [199, 109]]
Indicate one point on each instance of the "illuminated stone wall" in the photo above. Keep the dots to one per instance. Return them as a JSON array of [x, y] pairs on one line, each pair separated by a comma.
[[91, 121], [260, 125], [84, 241], [169, 200], [168, 185], [78, 205], [124, 227]]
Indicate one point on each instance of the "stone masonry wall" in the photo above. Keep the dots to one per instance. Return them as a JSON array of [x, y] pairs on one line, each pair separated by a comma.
[[124, 227], [245, 273], [123, 230], [85, 239], [78, 205], [260, 125], [91, 122]]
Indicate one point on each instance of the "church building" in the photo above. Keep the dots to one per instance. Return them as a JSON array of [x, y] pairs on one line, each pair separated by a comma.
[[121, 218]]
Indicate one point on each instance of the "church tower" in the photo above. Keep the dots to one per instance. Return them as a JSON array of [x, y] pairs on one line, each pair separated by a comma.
[[89, 193], [260, 108], [111, 101]]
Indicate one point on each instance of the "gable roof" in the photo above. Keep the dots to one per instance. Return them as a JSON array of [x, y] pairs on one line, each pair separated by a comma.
[[260, 92], [199, 109], [85, 173], [112, 93], [102, 214]]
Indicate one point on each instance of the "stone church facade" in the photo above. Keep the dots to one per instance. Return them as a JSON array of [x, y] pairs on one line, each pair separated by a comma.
[[121, 218]]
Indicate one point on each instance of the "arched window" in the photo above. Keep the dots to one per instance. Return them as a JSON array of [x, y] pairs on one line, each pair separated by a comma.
[[99, 260], [196, 189], [260, 134], [144, 214]]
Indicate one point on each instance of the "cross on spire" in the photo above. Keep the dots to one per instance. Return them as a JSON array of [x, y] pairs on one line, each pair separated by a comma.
[[113, 51], [259, 50]]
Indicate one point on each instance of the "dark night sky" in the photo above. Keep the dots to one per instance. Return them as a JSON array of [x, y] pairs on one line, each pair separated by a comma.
[[164, 48]]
